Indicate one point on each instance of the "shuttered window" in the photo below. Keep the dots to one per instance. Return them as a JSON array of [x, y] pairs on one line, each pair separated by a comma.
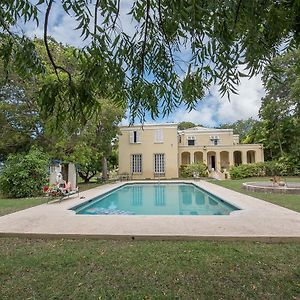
[[158, 136], [159, 163], [135, 137], [136, 163]]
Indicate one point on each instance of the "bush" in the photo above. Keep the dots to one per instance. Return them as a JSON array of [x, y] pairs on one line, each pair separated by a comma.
[[24, 175], [268, 168], [187, 171]]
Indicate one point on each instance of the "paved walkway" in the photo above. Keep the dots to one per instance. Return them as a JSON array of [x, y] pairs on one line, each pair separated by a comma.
[[258, 220]]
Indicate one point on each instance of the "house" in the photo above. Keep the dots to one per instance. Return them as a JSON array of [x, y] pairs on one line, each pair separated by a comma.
[[158, 150]]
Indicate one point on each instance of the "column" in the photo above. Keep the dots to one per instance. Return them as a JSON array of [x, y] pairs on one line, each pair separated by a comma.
[[244, 157], [218, 161], [191, 157], [231, 158]]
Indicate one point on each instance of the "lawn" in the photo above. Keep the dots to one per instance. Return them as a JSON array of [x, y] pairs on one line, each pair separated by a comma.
[[95, 269], [288, 201], [98, 269], [8, 206]]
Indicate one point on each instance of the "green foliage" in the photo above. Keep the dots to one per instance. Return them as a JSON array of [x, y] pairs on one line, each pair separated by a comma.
[[218, 36], [268, 168], [240, 127], [192, 170], [186, 125], [280, 111], [24, 175]]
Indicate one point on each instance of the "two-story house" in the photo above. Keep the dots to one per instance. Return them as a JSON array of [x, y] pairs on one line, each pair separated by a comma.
[[158, 150]]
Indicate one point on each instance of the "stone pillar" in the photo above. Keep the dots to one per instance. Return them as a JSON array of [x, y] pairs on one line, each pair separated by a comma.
[[218, 161], [231, 158], [191, 157], [244, 157], [205, 157]]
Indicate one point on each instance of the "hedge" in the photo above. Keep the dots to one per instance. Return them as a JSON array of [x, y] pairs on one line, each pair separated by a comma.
[[268, 168]]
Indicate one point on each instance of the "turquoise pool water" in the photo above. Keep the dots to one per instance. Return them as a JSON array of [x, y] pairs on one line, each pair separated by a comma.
[[156, 199]]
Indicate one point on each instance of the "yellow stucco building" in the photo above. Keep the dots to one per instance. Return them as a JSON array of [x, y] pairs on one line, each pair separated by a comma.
[[158, 150]]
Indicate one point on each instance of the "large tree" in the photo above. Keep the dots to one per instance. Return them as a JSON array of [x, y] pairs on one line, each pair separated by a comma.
[[145, 69], [241, 127], [280, 110]]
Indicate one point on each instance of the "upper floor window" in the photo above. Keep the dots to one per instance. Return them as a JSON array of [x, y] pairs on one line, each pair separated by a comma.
[[191, 141], [215, 140], [135, 137], [158, 136]]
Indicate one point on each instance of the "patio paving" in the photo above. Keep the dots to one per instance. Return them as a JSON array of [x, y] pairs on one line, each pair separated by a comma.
[[258, 220]]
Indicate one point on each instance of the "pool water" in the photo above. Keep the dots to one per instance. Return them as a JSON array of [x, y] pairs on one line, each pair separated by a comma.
[[156, 199]]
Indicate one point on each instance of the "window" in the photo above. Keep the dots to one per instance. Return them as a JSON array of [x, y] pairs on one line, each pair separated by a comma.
[[159, 163], [215, 140], [191, 140], [158, 136], [135, 137], [136, 163]]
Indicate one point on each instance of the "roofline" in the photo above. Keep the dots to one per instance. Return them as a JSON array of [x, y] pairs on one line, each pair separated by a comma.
[[149, 125]]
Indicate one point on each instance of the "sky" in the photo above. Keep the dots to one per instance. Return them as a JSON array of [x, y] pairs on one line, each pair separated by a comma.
[[211, 111]]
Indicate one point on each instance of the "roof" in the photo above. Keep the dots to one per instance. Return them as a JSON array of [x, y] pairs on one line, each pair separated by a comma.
[[204, 129]]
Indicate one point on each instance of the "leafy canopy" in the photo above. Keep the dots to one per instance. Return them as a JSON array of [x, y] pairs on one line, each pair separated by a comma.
[[24, 175], [176, 51]]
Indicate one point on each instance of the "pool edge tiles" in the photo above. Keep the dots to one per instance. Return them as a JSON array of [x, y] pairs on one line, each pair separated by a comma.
[[156, 199]]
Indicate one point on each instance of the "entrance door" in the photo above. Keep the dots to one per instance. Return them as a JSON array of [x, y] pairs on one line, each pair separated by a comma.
[[213, 162]]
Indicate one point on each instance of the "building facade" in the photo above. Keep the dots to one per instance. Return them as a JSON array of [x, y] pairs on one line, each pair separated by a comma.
[[158, 150]]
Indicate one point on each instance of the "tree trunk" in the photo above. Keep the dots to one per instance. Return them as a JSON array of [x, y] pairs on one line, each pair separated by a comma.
[[104, 168]]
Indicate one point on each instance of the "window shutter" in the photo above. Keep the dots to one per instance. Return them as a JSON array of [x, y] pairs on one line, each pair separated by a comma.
[[138, 136], [131, 137], [159, 136]]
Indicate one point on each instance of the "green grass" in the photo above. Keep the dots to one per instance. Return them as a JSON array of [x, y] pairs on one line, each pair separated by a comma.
[[8, 206], [289, 201], [91, 269]]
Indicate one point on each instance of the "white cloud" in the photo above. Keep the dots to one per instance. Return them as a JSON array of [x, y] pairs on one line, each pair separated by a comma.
[[214, 110]]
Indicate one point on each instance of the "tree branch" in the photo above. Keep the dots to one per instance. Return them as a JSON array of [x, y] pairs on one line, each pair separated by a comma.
[[55, 67], [117, 15], [96, 17], [237, 13], [164, 32], [145, 39]]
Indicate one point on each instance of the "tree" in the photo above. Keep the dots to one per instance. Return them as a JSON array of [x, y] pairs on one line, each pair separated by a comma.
[[93, 143], [142, 69], [185, 125], [240, 127], [24, 175], [18, 121], [280, 110]]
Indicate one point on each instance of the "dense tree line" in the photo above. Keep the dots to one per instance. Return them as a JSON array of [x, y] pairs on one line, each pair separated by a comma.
[[61, 134]]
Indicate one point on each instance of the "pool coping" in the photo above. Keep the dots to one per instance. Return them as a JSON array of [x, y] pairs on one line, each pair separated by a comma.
[[257, 221]]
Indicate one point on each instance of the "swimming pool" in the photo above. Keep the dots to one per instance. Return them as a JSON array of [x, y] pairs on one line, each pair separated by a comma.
[[156, 199]]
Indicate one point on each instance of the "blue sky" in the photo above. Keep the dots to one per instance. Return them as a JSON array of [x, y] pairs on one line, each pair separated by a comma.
[[211, 111]]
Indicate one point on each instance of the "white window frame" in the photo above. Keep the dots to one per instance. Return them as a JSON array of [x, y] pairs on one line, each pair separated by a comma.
[[158, 136], [159, 163], [135, 137], [136, 163]]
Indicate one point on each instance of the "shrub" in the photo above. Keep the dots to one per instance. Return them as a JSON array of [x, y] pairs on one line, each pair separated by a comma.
[[268, 168], [187, 171], [24, 175]]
